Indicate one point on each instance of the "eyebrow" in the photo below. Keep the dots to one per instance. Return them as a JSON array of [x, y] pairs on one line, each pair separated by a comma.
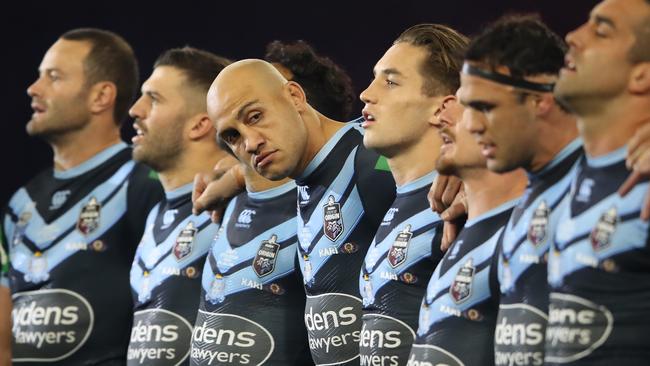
[[153, 94], [49, 69], [240, 112], [391, 71]]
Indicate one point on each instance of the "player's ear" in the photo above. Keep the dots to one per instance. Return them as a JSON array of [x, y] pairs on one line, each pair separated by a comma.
[[446, 102], [200, 126], [101, 96], [297, 95], [438, 105], [544, 103], [640, 79]]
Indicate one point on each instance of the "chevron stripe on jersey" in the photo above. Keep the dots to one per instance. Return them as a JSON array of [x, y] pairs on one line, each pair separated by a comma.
[[462, 296], [599, 270], [523, 256], [396, 271], [60, 239], [342, 199], [251, 286], [72, 238], [166, 280]]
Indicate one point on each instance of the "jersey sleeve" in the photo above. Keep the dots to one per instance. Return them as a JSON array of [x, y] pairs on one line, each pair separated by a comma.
[[144, 192]]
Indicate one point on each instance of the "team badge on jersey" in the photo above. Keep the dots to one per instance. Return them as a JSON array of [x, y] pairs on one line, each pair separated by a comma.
[[461, 289], [399, 249], [304, 195], [89, 217], [168, 218], [59, 198], [37, 269], [601, 235], [184, 241], [333, 220], [537, 231], [217, 290], [264, 262]]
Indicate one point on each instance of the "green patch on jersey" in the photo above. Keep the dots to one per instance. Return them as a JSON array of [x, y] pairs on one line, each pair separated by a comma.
[[153, 175], [4, 259], [382, 164]]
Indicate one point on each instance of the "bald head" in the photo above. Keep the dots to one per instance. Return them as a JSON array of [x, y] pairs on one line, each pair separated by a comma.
[[257, 112], [251, 69], [240, 79]]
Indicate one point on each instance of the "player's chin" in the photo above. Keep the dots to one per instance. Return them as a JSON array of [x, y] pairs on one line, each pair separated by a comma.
[[272, 172]]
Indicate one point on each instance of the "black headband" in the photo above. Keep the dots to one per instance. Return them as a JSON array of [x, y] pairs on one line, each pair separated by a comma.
[[507, 80]]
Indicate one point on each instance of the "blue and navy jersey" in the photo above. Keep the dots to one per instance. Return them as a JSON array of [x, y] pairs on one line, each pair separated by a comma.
[[72, 236], [395, 274], [458, 313], [342, 198], [599, 270], [252, 300], [166, 280], [523, 256]]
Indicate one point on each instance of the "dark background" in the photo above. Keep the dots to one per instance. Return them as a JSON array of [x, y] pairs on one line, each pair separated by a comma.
[[353, 33]]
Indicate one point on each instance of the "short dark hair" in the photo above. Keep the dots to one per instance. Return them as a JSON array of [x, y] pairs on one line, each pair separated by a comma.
[[200, 67], [445, 48], [327, 85], [112, 59], [522, 43], [640, 51]]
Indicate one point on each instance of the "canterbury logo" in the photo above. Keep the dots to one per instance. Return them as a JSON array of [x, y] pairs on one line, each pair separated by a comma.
[[246, 216]]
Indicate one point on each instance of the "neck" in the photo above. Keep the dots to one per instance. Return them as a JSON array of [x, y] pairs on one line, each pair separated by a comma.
[[486, 190], [257, 183], [559, 132], [613, 126], [408, 165], [76, 147], [319, 130], [200, 158]]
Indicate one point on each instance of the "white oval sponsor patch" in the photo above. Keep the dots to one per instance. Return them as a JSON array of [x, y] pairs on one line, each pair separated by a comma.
[[576, 327], [158, 337], [228, 339], [384, 341], [333, 324], [49, 325], [519, 336]]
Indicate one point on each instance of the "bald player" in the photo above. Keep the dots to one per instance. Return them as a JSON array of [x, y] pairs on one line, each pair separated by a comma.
[[344, 190]]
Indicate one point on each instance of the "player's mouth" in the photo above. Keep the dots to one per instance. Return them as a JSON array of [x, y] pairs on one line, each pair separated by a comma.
[[488, 149], [263, 159], [139, 133], [38, 108], [569, 65], [369, 119]]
